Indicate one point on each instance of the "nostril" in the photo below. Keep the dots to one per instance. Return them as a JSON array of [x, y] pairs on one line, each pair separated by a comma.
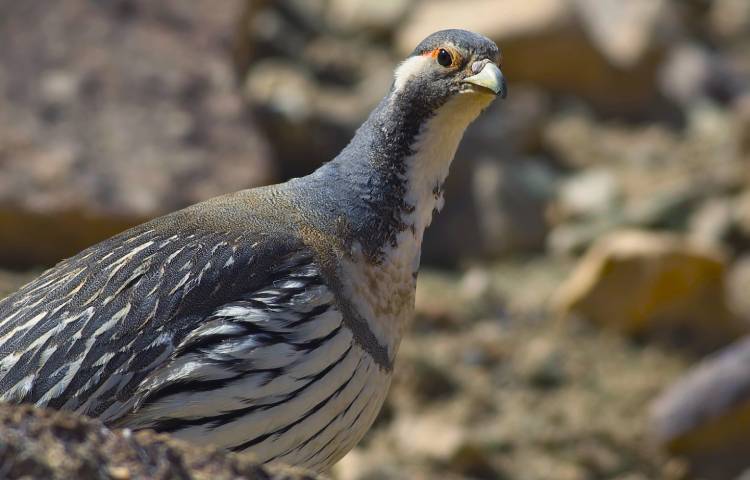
[[477, 66]]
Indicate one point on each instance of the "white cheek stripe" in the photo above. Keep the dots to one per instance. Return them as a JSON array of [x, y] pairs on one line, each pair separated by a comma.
[[409, 68]]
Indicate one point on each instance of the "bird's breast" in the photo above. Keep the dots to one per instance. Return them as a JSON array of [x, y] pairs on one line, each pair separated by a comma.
[[383, 292]]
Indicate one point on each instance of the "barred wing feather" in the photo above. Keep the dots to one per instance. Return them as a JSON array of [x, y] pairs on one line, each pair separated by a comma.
[[99, 333]]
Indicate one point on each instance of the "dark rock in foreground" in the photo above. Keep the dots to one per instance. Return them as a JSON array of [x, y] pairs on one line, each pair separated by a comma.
[[46, 444]]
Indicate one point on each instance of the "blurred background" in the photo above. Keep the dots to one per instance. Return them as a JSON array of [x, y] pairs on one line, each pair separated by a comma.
[[586, 290]]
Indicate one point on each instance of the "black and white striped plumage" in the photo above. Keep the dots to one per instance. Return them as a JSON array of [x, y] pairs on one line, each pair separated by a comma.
[[265, 320]]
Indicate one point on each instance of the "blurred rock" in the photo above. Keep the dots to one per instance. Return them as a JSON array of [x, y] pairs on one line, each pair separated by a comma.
[[668, 207], [723, 222], [510, 201], [694, 72], [686, 73], [661, 176], [368, 16], [704, 416], [436, 305], [742, 113], [711, 224], [359, 466], [742, 212], [730, 19], [476, 285], [310, 75], [44, 444], [592, 192], [542, 364], [588, 204], [624, 32], [307, 120], [489, 17], [582, 55], [429, 382], [429, 435], [738, 280], [577, 139], [472, 461], [285, 99], [516, 124], [573, 238], [112, 113], [653, 284], [710, 126], [568, 136]]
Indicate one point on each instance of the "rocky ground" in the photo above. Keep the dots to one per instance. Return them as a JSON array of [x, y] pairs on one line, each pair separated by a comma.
[[36, 444], [584, 310]]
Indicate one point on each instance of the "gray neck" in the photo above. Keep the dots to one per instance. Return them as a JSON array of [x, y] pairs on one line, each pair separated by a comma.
[[388, 179], [366, 183]]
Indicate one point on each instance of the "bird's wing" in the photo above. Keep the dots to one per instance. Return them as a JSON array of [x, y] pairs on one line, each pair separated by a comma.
[[119, 325], [249, 356]]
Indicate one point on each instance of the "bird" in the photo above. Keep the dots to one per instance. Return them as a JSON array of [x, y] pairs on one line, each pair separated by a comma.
[[265, 320]]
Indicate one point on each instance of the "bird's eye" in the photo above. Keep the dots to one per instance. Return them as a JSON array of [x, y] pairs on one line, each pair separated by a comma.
[[444, 58]]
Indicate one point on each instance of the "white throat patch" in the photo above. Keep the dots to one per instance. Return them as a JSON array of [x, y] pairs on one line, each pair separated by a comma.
[[384, 293], [435, 147]]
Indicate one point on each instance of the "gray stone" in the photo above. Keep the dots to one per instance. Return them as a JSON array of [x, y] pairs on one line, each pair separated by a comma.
[[590, 193], [703, 416]]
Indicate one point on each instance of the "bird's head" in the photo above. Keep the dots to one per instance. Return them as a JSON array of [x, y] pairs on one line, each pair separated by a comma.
[[450, 63], [400, 156]]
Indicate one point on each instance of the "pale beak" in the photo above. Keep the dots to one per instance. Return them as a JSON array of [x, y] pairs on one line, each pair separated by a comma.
[[491, 78]]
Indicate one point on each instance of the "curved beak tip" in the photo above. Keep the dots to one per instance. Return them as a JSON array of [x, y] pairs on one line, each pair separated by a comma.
[[491, 78]]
